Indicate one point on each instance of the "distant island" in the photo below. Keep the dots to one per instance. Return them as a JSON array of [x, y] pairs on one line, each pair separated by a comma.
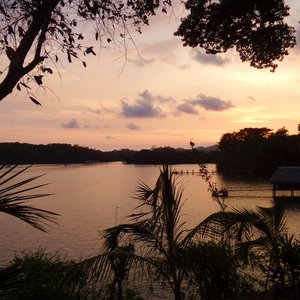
[[24, 153]]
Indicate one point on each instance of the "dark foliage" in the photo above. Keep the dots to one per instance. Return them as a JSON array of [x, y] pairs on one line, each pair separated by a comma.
[[214, 270], [168, 155], [257, 151], [35, 276], [19, 153], [255, 28], [35, 34], [262, 241]]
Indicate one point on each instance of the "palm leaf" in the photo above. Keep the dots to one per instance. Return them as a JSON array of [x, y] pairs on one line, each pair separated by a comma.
[[157, 226], [95, 272], [14, 198], [11, 282]]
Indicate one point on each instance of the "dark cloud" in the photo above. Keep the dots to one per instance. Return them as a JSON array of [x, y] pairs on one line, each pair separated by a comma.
[[187, 108], [132, 126], [211, 103], [71, 124], [207, 59], [143, 107]]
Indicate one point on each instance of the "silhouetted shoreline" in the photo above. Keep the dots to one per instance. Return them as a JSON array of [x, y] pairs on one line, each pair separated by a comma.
[[24, 153]]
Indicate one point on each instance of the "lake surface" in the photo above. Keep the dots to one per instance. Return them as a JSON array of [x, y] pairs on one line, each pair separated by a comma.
[[93, 197]]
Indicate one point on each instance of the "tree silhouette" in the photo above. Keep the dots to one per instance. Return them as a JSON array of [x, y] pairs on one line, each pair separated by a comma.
[[33, 33], [255, 28], [257, 151], [14, 195], [164, 249], [156, 230], [259, 231]]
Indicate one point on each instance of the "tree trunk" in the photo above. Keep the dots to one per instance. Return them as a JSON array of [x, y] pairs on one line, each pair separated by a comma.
[[177, 292], [10, 81], [36, 30]]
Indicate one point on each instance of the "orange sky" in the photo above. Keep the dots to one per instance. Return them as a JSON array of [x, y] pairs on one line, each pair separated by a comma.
[[164, 97]]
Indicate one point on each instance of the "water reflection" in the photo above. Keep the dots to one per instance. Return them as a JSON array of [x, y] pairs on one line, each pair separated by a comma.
[[90, 198]]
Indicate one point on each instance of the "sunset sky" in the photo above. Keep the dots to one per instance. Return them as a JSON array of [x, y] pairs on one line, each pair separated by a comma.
[[161, 94]]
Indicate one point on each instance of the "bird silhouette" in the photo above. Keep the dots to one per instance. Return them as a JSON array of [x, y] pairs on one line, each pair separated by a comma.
[[192, 143]]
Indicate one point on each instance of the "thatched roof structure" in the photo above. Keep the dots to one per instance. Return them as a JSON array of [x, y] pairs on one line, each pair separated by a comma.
[[286, 178]]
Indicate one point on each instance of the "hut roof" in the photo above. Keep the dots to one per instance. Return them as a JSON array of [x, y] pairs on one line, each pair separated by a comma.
[[286, 175]]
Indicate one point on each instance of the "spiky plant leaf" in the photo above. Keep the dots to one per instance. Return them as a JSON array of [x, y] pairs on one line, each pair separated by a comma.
[[14, 197]]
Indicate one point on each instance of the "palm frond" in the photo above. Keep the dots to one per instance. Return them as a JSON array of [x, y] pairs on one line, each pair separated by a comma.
[[275, 218], [14, 197], [239, 224], [156, 226], [141, 232], [95, 272], [161, 206], [259, 229], [10, 282]]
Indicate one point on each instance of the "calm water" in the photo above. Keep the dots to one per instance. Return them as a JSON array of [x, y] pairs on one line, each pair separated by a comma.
[[90, 198]]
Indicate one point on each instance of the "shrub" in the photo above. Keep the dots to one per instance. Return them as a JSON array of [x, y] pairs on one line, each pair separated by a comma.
[[38, 276]]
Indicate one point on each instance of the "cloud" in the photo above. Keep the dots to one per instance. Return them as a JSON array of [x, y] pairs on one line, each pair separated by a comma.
[[88, 126], [249, 120], [93, 126], [208, 103], [251, 98], [143, 107], [109, 137], [148, 105], [187, 108], [183, 66], [207, 59], [165, 51], [141, 62], [132, 126], [146, 95], [162, 99], [71, 124], [211, 103], [100, 111], [298, 38]]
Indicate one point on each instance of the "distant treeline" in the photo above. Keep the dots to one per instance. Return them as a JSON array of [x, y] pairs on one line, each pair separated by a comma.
[[254, 151], [23, 153], [257, 151]]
